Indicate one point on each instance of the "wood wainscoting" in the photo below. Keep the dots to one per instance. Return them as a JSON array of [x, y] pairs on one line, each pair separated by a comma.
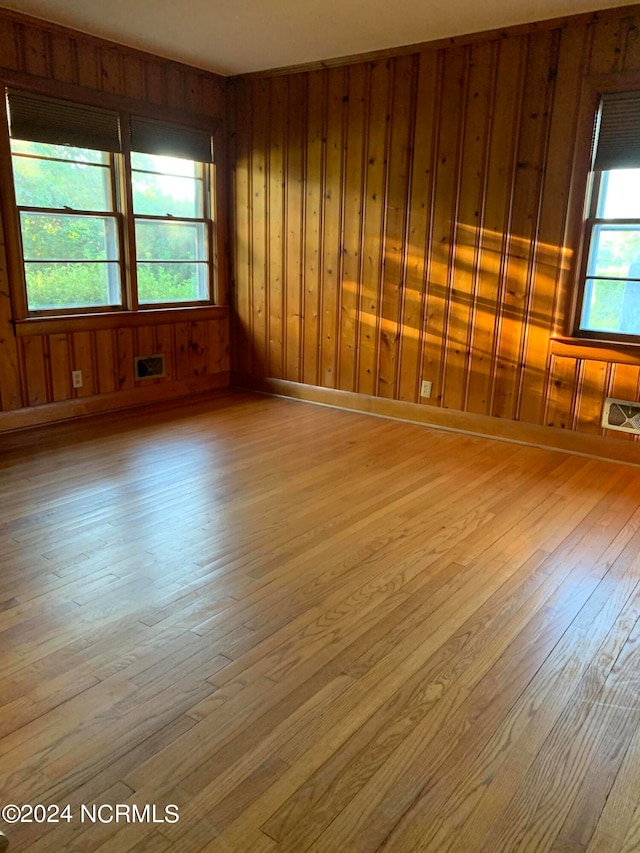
[[310, 630], [196, 360]]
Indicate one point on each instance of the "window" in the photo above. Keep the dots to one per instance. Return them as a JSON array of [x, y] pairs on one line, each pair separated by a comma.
[[68, 224], [610, 293], [170, 226], [106, 225]]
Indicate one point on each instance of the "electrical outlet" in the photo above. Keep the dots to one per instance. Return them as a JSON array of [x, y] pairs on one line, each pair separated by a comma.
[[425, 390], [76, 378]]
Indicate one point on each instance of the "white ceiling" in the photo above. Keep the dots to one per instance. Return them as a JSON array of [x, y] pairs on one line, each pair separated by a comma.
[[237, 36]]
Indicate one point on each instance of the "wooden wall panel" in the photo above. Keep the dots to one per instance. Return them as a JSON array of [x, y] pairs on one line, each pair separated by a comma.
[[431, 233], [294, 198], [331, 264], [377, 141], [36, 369], [105, 357], [11, 396], [350, 279], [313, 236]]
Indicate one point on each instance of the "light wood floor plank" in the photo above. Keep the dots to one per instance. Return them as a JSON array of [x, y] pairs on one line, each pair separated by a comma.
[[317, 631]]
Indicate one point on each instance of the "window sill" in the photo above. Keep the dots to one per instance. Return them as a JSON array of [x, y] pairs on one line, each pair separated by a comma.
[[595, 350], [118, 319]]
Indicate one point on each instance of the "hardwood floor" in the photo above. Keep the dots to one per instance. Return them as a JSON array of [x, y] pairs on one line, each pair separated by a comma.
[[312, 630]]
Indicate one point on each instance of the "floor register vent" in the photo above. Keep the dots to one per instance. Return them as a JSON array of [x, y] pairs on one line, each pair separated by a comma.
[[621, 415], [148, 366]]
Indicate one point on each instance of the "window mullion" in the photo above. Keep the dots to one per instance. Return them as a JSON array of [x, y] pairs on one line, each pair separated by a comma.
[[129, 228]]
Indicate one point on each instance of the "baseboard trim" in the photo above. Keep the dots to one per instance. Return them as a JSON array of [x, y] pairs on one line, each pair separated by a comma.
[[86, 406], [549, 438]]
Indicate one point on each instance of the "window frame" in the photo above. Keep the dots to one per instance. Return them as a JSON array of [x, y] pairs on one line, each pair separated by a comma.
[[592, 220], [115, 214], [207, 220], [581, 208], [26, 320]]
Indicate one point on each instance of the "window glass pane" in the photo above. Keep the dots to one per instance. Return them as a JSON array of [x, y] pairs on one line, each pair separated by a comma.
[[168, 186], [166, 195], [612, 307], [166, 165], [50, 183], [172, 282], [62, 152], [170, 241], [59, 237], [615, 251], [620, 194], [82, 285]]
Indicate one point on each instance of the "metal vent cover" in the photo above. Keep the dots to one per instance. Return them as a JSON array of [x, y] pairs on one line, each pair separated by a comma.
[[621, 415], [148, 366]]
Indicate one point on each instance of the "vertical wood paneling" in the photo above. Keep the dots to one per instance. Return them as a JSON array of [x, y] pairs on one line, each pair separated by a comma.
[[105, 349], [259, 244], [36, 51], [192, 92], [607, 46], [351, 280], [145, 341], [524, 221], [563, 388], [60, 367], [111, 70], [88, 59], [276, 224], [125, 359], [134, 77], [199, 348], [294, 218], [592, 392], [314, 181], [33, 358], [468, 223], [175, 86], [105, 357], [9, 38], [373, 224], [82, 359], [63, 58], [154, 82], [213, 96], [441, 248], [35, 370], [433, 222], [10, 391], [624, 381], [183, 350], [397, 204], [549, 274], [241, 194], [165, 345], [422, 187], [332, 227], [632, 47]]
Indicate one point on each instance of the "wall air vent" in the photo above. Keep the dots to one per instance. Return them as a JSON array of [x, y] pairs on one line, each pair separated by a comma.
[[148, 366], [621, 415]]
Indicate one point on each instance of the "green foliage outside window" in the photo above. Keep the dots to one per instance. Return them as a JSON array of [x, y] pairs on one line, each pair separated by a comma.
[[81, 180]]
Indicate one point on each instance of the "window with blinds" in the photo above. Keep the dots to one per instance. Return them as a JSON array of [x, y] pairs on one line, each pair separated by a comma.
[[86, 178], [170, 209], [610, 297]]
